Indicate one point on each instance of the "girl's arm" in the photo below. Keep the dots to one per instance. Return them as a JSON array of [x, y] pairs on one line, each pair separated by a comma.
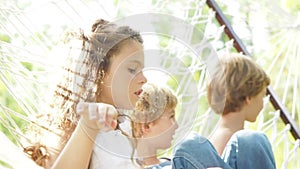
[[78, 150]]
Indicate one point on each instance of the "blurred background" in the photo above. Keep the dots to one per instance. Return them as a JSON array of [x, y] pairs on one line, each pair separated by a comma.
[[32, 51]]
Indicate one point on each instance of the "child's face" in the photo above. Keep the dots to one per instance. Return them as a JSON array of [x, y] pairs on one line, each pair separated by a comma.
[[124, 79], [256, 104], [163, 130]]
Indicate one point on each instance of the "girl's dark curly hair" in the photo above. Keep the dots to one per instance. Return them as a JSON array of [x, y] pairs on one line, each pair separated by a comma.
[[81, 80]]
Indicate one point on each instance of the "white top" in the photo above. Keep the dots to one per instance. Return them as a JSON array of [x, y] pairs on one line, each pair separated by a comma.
[[112, 150]]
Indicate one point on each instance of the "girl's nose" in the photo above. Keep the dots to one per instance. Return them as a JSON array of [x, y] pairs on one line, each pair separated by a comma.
[[141, 78]]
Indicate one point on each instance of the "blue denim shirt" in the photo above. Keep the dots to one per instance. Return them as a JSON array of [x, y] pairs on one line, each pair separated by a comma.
[[245, 150], [249, 149], [196, 152]]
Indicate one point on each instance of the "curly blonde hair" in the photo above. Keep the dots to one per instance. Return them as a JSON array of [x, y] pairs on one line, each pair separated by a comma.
[[234, 78], [153, 102]]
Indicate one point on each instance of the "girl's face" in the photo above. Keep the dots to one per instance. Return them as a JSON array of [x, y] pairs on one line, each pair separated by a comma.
[[124, 78]]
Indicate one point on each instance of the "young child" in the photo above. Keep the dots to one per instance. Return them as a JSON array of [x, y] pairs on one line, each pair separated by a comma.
[[104, 75], [153, 125], [236, 91]]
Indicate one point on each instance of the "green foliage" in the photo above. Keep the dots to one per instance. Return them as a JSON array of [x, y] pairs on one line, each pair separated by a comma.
[[28, 66], [5, 120], [293, 6], [163, 42], [5, 38], [4, 164]]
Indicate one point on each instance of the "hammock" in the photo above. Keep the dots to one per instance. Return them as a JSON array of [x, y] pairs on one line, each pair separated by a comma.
[[31, 53]]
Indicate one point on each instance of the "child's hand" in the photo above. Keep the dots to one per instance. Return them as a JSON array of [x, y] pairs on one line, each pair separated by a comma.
[[97, 116]]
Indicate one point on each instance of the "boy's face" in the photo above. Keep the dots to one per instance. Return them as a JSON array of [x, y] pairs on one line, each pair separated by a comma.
[[163, 129], [255, 105]]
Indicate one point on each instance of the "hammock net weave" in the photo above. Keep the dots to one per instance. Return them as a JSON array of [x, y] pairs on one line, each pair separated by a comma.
[[32, 54]]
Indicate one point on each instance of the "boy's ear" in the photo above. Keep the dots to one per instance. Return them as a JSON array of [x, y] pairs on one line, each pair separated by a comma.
[[146, 128], [248, 100]]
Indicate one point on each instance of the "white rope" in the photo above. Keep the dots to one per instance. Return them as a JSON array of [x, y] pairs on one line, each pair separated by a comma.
[[281, 62], [296, 85]]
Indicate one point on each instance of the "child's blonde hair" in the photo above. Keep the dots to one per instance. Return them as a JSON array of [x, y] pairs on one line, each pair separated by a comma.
[[153, 102], [235, 77]]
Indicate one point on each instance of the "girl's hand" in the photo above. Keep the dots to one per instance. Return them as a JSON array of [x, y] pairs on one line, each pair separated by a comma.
[[97, 116]]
